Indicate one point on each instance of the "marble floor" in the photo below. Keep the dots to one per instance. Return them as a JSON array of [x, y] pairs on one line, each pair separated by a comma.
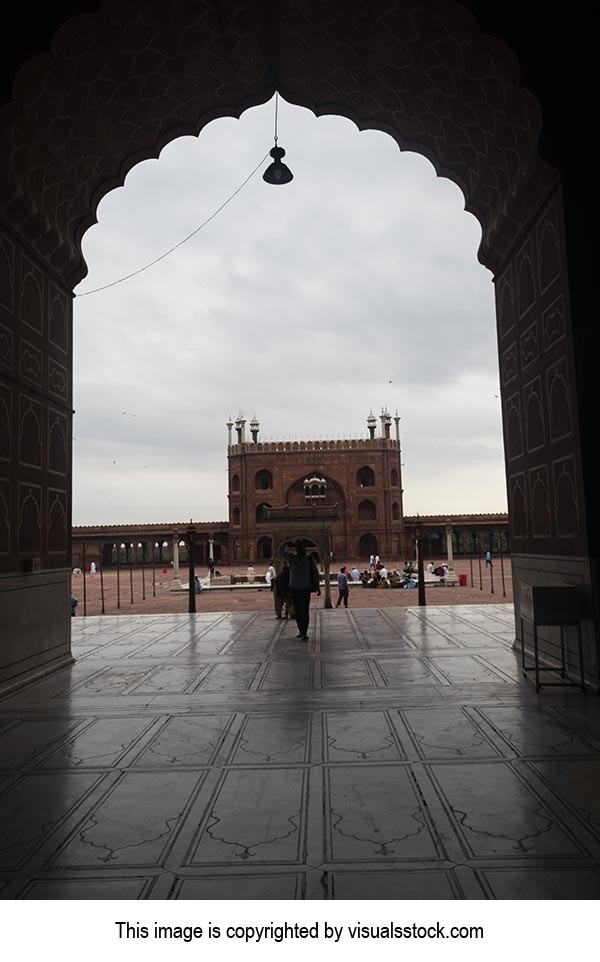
[[397, 755]]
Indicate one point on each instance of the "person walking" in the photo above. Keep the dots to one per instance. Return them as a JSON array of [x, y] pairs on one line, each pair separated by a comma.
[[488, 559], [342, 580], [304, 579], [281, 592]]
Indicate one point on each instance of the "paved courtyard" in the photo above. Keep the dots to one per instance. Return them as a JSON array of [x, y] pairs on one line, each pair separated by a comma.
[[397, 755]]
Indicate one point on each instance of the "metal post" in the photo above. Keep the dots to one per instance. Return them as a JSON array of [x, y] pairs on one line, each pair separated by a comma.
[[131, 570], [480, 578], [84, 584], [420, 574], [154, 569], [327, 585], [100, 549], [502, 566], [143, 543], [471, 566], [492, 576], [191, 540], [118, 576]]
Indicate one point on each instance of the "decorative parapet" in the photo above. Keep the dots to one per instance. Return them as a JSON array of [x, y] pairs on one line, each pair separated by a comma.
[[348, 444]]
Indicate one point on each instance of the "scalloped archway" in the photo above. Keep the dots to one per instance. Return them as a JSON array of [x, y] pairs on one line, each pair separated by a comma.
[[117, 85]]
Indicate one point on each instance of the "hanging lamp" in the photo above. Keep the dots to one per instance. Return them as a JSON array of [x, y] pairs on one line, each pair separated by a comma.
[[277, 172]]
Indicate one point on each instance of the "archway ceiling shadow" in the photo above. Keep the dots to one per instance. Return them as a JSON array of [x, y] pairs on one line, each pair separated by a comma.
[[119, 85]]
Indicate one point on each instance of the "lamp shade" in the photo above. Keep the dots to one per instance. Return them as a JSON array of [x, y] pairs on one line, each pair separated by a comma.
[[277, 173]]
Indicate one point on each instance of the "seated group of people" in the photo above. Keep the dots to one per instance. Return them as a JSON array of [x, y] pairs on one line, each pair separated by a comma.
[[380, 577]]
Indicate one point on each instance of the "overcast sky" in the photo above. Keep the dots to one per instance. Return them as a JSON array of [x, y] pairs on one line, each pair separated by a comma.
[[355, 286]]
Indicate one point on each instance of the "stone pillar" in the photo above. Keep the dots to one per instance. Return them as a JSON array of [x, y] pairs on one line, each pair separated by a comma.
[[451, 578], [175, 583], [35, 464]]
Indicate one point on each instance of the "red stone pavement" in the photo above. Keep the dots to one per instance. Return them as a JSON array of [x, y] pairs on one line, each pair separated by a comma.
[[260, 599]]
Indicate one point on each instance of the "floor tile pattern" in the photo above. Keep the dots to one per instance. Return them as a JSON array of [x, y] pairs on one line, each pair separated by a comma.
[[397, 754]]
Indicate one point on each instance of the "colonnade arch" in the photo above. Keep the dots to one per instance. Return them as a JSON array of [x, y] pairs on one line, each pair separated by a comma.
[[96, 103]]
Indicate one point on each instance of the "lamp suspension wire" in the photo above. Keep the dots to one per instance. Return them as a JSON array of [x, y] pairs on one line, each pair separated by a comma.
[[156, 260], [276, 106]]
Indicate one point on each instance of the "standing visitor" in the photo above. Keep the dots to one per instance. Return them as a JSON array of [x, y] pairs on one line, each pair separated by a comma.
[[93, 568], [488, 559], [342, 580], [270, 576], [304, 579]]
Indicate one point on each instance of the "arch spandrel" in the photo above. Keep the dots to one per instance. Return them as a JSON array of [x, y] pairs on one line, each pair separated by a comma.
[[118, 86]]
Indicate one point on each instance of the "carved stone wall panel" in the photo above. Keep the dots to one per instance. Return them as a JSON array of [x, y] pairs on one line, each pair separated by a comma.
[[7, 275], [5, 516], [558, 389], [35, 413], [57, 443], [57, 521], [29, 531], [540, 500], [32, 295], [534, 408], [7, 348], [30, 432], [525, 273], [58, 320], [6, 428], [554, 323], [31, 362], [58, 380], [518, 506], [513, 428], [566, 501], [549, 252], [509, 365], [529, 346], [538, 381], [505, 301]]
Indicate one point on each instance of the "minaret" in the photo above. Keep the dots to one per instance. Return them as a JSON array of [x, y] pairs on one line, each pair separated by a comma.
[[229, 427], [240, 427], [371, 424], [387, 423], [254, 429], [382, 419], [397, 423]]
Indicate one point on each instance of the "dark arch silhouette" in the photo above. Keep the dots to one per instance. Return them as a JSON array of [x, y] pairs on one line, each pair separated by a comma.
[[367, 545], [367, 511]]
